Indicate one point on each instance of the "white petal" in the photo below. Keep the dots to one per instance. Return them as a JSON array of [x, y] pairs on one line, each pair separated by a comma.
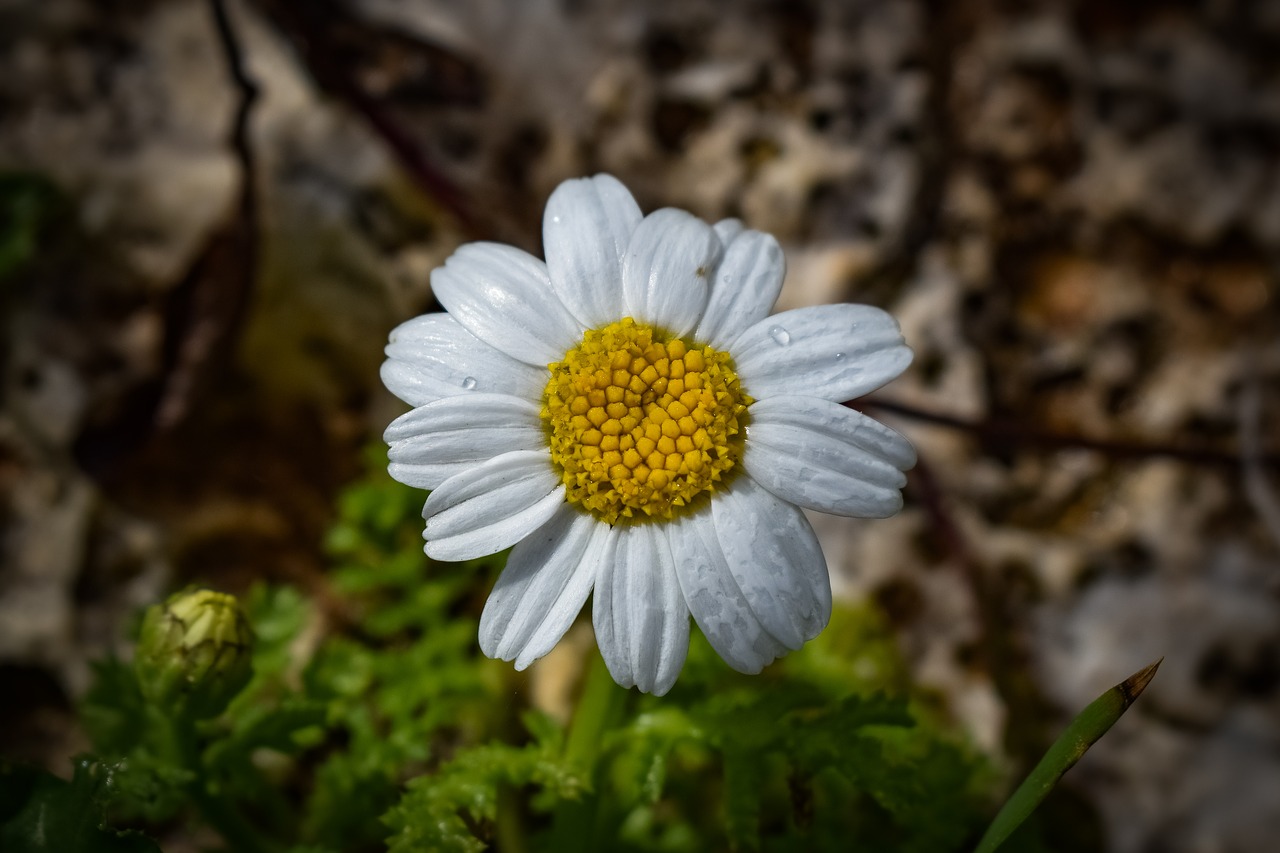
[[585, 232], [835, 352], [824, 456], [431, 443], [746, 285], [432, 356], [541, 591], [503, 296], [775, 560], [666, 270], [491, 506], [641, 620], [728, 229], [714, 598]]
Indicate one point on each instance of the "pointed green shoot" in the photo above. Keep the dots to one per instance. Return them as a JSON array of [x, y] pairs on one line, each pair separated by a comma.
[[1092, 723]]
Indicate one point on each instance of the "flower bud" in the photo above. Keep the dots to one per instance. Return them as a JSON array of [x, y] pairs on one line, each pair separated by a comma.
[[193, 655]]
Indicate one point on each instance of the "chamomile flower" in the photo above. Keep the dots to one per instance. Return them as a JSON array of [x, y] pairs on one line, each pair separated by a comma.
[[631, 419]]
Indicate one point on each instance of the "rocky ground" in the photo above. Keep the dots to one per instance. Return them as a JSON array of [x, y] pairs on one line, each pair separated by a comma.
[[1073, 208]]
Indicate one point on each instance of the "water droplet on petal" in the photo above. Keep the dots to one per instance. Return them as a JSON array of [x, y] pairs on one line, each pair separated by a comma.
[[555, 219], [780, 336], [469, 383], [839, 356], [726, 278]]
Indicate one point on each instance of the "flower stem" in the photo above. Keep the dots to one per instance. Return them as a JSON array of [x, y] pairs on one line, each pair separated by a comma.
[[509, 828], [217, 813], [601, 706]]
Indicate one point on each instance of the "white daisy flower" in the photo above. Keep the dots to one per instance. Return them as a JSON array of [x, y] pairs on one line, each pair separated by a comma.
[[633, 421]]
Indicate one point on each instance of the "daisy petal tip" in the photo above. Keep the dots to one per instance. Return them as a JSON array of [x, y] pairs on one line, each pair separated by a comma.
[[664, 683], [891, 506], [387, 370], [728, 230], [606, 182], [488, 646], [899, 358], [622, 678]]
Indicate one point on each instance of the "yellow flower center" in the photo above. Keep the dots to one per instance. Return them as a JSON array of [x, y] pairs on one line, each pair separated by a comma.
[[641, 424]]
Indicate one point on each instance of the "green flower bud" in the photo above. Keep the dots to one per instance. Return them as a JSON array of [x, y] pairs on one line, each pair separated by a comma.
[[193, 653]]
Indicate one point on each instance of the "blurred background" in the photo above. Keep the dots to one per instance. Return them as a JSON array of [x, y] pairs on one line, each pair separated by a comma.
[[211, 214]]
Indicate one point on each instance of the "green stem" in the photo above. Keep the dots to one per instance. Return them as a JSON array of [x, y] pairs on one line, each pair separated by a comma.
[[600, 708], [509, 828], [238, 833]]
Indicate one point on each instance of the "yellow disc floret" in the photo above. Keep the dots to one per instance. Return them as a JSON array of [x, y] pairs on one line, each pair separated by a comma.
[[641, 423]]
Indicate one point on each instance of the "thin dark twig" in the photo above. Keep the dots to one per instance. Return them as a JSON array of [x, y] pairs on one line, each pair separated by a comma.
[[210, 304], [1264, 501], [934, 149], [248, 88], [1002, 649], [314, 45], [1002, 652], [413, 160], [1021, 435], [951, 540]]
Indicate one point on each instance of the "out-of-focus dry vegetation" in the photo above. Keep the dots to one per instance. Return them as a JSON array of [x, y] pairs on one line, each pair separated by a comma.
[[1073, 208]]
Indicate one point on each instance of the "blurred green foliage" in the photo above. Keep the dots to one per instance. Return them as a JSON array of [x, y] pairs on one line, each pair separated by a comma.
[[40, 813], [29, 207], [373, 722]]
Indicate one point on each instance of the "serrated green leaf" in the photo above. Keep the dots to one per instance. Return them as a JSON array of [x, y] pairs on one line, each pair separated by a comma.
[[278, 615], [40, 813], [283, 728], [431, 814], [745, 779]]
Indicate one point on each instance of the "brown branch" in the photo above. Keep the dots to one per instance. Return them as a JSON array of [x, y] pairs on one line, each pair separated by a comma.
[[202, 312], [934, 149], [1000, 643], [209, 305], [1019, 434], [248, 89], [1002, 649], [311, 28]]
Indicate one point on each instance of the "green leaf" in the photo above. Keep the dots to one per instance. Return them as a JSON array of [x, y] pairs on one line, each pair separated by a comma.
[[1085, 730], [113, 711], [40, 812], [283, 728], [746, 777], [30, 206], [768, 737], [439, 810], [825, 746], [148, 777], [278, 615]]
